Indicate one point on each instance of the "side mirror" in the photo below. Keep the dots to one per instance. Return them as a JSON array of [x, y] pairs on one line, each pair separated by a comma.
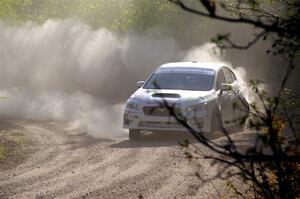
[[139, 84], [225, 87]]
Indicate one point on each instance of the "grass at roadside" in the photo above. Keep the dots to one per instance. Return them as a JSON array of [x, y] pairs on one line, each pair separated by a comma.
[[15, 148]]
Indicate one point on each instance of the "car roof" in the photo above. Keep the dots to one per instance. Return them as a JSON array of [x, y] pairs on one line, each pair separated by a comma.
[[194, 64]]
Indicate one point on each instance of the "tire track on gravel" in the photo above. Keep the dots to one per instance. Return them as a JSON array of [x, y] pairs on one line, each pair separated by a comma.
[[70, 164]]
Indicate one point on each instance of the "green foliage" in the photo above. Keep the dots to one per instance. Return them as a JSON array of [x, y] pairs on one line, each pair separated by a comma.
[[14, 149], [2, 152], [10, 9], [144, 14], [114, 14], [158, 18]]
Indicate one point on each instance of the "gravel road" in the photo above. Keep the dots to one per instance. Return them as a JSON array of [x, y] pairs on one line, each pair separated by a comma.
[[71, 164]]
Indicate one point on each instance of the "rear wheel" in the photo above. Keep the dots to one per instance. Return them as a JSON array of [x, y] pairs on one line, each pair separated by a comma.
[[238, 127], [134, 134]]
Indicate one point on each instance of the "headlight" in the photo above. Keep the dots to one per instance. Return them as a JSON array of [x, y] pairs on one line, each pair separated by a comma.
[[132, 105], [196, 107]]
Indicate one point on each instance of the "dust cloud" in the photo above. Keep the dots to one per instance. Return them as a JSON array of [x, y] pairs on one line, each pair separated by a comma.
[[63, 70]]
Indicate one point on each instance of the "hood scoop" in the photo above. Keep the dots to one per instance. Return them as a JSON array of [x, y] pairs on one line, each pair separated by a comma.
[[166, 95]]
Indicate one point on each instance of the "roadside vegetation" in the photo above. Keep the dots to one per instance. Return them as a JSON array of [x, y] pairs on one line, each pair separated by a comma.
[[270, 167], [15, 148], [155, 18]]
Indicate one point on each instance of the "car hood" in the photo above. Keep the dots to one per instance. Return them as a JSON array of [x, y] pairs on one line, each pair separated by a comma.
[[154, 96]]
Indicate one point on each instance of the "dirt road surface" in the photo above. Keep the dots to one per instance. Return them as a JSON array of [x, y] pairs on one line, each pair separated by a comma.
[[71, 164]]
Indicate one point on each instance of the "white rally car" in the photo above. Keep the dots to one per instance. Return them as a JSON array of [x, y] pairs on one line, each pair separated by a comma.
[[203, 94]]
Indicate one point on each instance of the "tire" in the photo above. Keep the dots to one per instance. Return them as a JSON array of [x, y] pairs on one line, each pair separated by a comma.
[[134, 134], [238, 127], [215, 125]]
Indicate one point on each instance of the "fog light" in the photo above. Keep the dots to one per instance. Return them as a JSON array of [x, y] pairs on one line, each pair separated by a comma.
[[126, 121]]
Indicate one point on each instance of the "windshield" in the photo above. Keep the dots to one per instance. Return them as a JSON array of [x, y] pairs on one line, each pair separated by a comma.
[[196, 79]]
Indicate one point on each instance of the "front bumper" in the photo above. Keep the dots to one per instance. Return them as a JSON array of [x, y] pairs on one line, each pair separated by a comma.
[[137, 119]]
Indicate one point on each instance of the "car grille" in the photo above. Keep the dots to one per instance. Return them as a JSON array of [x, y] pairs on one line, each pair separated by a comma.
[[166, 95], [158, 124], [159, 111]]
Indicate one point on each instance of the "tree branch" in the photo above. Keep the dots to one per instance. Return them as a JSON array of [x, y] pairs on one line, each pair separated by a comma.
[[269, 28], [246, 46]]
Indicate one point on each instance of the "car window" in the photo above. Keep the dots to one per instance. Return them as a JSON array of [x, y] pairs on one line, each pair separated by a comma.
[[179, 80], [229, 77], [220, 79]]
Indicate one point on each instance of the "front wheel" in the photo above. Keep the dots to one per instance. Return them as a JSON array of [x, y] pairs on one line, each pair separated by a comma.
[[216, 125], [239, 127], [134, 134]]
